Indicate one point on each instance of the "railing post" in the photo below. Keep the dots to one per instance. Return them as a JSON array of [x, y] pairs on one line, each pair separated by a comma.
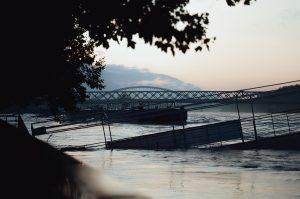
[[253, 119], [238, 111], [17, 120], [108, 126], [109, 131], [273, 124], [31, 127], [184, 136], [288, 122], [237, 107], [104, 134], [242, 134], [174, 137]]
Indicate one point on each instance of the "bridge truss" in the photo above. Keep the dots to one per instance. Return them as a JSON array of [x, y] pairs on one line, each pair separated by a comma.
[[153, 97]]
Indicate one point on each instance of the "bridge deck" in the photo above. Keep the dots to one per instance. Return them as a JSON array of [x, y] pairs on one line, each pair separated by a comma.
[[123, 99]]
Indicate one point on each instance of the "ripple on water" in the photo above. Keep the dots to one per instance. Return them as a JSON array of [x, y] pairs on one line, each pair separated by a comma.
[[190, 173]]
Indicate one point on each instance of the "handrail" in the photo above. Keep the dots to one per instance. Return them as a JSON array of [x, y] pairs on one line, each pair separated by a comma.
[[238, 98], [274, 113], [272, 124], [59, 128], [10, 118]]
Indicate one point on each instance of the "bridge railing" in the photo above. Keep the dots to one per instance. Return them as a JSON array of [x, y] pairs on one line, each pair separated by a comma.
[[120, 100], [128, 97], [170, 95]]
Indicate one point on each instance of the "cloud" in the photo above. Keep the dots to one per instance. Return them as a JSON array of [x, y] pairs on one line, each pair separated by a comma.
[[119, 76], [156, 82]]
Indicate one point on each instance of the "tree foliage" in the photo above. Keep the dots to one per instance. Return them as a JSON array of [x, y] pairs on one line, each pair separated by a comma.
[[49, 45]]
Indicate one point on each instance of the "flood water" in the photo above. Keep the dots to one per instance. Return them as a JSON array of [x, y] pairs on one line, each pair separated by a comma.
[[193, 173]]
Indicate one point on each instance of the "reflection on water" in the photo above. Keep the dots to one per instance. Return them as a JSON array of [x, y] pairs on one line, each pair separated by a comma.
[[191, 173], [202, 174]]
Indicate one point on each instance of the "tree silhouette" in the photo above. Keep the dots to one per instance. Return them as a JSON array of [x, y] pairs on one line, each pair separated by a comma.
[[49, 45]]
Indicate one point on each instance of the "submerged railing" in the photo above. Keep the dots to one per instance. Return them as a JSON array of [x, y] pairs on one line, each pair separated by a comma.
[[40, 128], [182, 138], [12, 119], [265, 126], [216, 134], [268, 125]]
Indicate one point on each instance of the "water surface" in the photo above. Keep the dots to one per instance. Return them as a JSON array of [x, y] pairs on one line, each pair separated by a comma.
[[190, 173]]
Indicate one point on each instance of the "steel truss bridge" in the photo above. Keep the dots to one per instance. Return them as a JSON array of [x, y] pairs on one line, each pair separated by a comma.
[[154, 97]]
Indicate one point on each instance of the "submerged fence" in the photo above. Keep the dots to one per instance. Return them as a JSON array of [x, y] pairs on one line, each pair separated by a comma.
[[216, 134], [12, 119], [182, 138], [269, 125]]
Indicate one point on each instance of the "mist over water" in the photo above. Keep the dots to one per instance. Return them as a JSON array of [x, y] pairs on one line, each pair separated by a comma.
[[190, 173]]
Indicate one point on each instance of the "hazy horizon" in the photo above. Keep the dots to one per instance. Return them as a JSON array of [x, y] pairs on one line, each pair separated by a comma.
[[128, 77]]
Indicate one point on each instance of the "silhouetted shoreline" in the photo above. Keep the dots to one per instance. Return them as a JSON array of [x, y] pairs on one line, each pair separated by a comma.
[[34, 169]]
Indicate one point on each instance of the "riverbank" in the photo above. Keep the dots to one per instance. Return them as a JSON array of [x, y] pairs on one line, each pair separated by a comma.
[[33, 169], [184, 173], [192, 173]]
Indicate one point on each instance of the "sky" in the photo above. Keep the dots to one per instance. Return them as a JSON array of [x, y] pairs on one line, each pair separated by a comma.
[[127, 77], [256, 45]]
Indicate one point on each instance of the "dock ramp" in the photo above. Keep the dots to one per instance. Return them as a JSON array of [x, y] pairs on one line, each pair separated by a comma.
[[182, 138]]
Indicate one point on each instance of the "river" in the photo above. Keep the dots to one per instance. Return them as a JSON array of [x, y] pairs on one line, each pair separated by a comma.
[[192, 173]]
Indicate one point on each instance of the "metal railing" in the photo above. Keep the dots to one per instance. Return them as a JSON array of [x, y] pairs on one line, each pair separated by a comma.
[[71, 126], [268, 125], [127, 98], [116, 100], [15, 120], [10, 118]]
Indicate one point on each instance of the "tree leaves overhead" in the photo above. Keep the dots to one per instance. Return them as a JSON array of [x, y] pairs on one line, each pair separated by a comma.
[[50, 44], [156, 22], [234, 2]]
